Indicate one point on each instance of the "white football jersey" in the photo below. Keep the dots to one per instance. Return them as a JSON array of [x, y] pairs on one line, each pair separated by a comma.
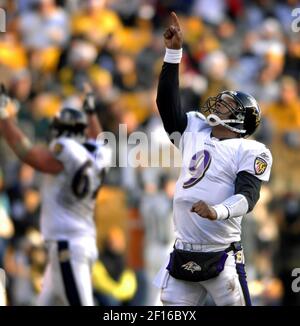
[[208, 173], [68, 198]]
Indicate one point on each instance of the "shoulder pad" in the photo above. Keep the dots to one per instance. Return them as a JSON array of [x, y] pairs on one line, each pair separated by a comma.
[[200, 116], [196, 114]]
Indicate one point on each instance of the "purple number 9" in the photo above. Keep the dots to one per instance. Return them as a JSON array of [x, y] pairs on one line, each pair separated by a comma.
[[198, 166]]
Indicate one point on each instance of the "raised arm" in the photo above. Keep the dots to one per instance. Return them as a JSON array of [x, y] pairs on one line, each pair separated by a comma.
[[94, 127], [39, 157], [168, 97]]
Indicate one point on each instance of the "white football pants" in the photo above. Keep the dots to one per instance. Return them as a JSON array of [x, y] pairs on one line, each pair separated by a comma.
[[67, 280]]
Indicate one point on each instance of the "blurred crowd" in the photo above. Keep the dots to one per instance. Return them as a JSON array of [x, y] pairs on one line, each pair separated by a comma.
[[51, 47]]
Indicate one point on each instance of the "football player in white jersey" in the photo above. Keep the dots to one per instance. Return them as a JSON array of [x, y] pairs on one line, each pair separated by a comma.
[[73, 165], [220, 182]]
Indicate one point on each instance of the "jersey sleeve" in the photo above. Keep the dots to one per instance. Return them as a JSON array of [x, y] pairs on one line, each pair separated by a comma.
[[255, 159], [168, 99], [64, 150]]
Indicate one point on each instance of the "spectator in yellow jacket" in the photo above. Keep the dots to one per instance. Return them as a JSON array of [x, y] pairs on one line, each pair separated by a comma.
[[114, 283]]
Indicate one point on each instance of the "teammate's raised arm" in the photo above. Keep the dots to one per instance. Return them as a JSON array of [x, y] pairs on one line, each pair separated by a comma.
[[93, 124], [168, 97], [38, 157]]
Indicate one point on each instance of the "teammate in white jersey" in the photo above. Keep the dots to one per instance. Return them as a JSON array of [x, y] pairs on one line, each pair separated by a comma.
[[73, 167], [220, 182]]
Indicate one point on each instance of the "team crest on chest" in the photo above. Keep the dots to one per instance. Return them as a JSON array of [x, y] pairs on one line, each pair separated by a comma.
[[260, 166]]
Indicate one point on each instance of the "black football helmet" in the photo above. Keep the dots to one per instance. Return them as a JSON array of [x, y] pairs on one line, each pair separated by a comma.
[[69, 123], [245, 114]]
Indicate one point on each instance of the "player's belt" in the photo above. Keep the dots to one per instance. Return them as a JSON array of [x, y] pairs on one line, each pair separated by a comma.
[[234, 246]]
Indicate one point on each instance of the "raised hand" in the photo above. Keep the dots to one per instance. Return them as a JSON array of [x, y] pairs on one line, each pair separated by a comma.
[[173, 35], [89, 101]]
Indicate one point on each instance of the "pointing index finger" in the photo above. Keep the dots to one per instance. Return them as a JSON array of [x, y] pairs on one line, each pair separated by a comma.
[[175, 20]]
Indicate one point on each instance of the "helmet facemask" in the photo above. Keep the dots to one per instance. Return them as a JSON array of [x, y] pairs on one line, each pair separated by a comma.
[[225, 110]]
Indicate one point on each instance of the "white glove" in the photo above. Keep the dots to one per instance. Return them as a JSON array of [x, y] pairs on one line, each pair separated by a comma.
[[8, 107], [4, 103]]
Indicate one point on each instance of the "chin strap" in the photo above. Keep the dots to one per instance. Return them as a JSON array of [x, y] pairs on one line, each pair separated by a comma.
[[213, 120]]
